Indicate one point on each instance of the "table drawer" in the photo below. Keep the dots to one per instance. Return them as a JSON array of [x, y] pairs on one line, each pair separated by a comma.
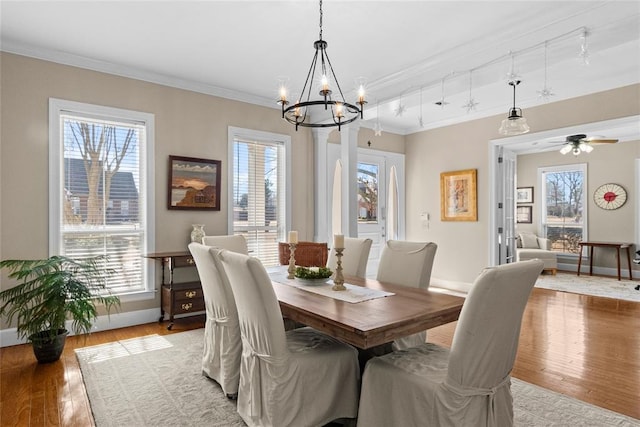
[[181, 307], [183, 261], [188, 294]]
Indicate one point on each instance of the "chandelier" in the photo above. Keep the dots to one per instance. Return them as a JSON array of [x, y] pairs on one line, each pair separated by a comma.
[[331, 109], [514, 124]]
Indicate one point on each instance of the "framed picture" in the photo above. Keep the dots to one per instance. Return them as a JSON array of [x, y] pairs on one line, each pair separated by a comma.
[[524, 214], [458, 196], [194, 183], [524, 195]]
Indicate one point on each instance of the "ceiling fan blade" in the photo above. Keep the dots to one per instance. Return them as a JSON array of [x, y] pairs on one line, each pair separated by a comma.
[[603, 141]]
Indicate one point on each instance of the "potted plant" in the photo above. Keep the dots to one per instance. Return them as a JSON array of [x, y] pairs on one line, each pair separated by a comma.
[[52, 290]]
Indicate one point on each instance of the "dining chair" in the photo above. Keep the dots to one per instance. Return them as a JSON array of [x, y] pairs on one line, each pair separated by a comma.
[[222, 343], [469, 385], [235, 243], [308, 254], [295, 378], [409, 264], [354, 257]]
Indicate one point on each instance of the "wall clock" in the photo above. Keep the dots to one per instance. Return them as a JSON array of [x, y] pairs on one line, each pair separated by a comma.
[[610, 196]]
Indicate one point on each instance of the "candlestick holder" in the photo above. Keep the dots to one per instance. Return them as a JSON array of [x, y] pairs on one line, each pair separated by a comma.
[[338, 280], [292, 260]]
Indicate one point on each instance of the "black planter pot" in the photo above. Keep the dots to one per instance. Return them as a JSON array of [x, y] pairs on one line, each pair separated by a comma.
[[47, 349]]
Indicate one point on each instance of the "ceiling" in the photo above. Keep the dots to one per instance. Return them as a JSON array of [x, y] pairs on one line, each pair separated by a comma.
[[404, 49]]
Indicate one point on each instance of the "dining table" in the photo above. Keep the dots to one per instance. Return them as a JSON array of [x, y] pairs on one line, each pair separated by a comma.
[[397, 311]]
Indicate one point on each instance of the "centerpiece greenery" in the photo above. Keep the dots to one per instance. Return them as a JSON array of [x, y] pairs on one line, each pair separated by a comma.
[[312, 273], [52, 290]]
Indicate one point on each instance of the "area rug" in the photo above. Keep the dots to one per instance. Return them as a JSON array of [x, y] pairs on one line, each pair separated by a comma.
[[157, 381], [590, 285]]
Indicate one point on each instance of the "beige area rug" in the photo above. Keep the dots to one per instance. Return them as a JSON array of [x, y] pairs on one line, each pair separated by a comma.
[[591, 285], [157, 381]]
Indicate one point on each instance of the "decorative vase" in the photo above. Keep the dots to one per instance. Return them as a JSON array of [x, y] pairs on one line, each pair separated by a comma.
[[197, 233]]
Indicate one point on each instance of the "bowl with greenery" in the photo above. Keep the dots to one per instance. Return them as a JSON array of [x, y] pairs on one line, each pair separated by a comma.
[[313, 275]]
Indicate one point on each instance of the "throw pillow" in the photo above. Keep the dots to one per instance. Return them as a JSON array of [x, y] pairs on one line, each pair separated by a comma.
[[529, 241]]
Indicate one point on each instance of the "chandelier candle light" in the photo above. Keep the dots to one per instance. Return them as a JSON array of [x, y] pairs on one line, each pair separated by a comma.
[[293, 243], [328, 111], [338, 246]]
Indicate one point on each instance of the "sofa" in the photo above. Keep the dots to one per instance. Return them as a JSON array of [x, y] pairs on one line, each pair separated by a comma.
[[530, 246]]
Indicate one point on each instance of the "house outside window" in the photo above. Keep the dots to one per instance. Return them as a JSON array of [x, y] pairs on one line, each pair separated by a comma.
[[563, 206], [259, 198], [101, 192]]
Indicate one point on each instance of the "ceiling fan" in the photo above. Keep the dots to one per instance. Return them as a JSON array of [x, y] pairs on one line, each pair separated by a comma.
[[581, 142]]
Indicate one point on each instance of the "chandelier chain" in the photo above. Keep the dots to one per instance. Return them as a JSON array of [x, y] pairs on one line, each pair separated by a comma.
[[320, 38]]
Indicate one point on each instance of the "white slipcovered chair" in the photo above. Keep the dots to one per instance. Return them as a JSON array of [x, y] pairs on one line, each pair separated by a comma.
[[295, 378], [354, 257], [222, 343], [470, 385], [234, 243], [409, 264]]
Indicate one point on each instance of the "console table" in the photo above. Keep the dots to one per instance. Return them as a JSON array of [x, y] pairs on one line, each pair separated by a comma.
[[615, 245], [177, 298]]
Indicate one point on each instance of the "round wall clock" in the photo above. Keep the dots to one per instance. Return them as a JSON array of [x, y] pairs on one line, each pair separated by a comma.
[[610, 196]]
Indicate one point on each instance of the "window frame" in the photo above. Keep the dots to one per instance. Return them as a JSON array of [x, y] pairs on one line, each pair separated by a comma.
[[59, 107], [542, 171], [268, 137]]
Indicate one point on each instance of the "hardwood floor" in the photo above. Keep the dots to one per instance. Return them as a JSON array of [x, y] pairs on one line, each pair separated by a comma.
[[581, 346]]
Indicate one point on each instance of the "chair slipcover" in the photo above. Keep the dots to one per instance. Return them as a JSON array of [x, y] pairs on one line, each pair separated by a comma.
[[235, 243], [222, 343], [294, 378], [469, 385], [409, 264], [354, 257]]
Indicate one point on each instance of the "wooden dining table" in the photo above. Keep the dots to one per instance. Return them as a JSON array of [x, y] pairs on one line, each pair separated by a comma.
[[371, 323]]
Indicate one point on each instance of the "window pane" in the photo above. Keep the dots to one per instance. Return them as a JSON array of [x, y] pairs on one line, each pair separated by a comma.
[[102, 198], [258, 197], [367, 179], [564, 204]]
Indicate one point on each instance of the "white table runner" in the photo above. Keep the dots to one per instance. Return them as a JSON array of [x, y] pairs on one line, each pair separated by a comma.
[[353, 294]]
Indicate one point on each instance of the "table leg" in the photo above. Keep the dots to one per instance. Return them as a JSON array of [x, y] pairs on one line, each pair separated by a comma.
[[590, 260], [629, 262], [580, 259], [618, 259]]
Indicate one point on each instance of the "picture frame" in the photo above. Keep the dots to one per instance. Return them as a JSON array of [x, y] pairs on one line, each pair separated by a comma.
[[194, 183], [524, 195], [458, 195], [524, 214]]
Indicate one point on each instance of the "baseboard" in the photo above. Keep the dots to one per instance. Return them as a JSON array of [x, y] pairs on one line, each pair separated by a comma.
[[9, 337], [600, 271], [451, 285]]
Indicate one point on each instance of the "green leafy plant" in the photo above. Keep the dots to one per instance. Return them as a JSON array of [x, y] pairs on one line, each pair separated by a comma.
[[310, 273], [53, 290]]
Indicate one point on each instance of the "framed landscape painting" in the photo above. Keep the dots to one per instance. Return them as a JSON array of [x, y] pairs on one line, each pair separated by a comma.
[[458, 196], [194, 183], [524, 214], [524, 195]]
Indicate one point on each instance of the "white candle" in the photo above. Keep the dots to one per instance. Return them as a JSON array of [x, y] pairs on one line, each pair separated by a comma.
[[293, 237], [338, 241]]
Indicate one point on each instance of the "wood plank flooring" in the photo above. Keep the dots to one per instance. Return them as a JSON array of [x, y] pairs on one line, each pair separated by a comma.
[[581, 346]]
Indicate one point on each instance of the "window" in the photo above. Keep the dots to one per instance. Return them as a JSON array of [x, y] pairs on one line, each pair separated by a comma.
[[367, 193], [259, 202], [564, 213], [100, 191]]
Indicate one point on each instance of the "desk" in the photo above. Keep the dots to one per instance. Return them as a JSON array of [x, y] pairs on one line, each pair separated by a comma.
[[177, 298], [370, 323], [615, 245]]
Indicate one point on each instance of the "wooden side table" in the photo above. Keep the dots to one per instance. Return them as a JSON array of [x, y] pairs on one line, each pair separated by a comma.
[[616, 245], [177, 298]]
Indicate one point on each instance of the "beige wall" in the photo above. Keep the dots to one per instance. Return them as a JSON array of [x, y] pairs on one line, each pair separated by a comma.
[[463, 246], [606, 164], [186, 124]]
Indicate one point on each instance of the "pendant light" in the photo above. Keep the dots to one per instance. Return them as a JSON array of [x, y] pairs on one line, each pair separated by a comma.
[[514, 124]]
